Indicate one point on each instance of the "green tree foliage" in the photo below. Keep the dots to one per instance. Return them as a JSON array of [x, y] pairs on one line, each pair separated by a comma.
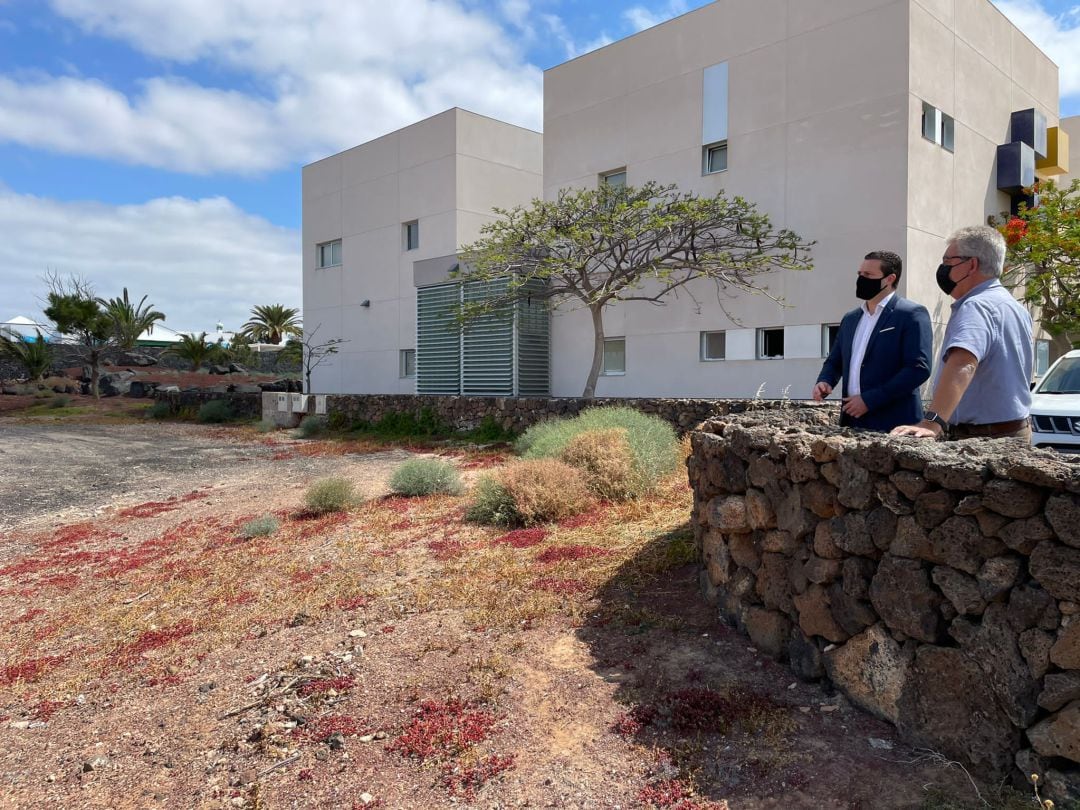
[[192, 348], [34, 356], [1044, 259], [78, 315], [270, 323], [130, 320], [594, 247]]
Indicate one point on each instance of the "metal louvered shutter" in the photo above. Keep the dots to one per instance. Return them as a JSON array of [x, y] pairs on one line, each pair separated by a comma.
[[533, 345], [488, 345], [438, 340]]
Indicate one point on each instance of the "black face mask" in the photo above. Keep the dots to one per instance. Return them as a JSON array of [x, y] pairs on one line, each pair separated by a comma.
[[946, 284], [867, 288]]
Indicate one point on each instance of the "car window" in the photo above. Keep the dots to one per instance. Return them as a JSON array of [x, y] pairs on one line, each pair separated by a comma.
[[1063, 378]]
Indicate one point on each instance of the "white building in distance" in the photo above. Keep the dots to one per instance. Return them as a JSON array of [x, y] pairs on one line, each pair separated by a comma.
[[863, 125]]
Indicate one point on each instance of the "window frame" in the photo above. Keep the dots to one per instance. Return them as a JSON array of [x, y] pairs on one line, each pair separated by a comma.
[[604, 372], [319, 253], [404, 363], [761, 335], [706, 153], [703, 346], [407, 229], [605, 177], [944, 127], [827, 339]]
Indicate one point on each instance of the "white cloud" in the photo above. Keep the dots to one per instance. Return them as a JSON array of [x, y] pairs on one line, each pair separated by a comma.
[[1058, 36], [640, 17], [198, 260], [319, 76]]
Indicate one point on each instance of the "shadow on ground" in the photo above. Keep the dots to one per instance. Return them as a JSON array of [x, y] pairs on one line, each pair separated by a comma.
[[726, 722]]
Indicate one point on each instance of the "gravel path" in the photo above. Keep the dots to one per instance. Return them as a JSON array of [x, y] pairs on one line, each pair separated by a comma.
[[52, 471]]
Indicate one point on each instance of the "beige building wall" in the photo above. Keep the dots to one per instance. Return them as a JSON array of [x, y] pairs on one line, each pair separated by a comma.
[[825, 105], [446, 173], [1072, 127]]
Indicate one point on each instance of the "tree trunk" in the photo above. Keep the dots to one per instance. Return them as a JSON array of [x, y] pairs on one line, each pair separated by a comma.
[[1059, 345], [95, 373], [597, 313]]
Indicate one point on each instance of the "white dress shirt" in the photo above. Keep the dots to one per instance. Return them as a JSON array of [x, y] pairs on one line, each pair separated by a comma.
[[859, 343]]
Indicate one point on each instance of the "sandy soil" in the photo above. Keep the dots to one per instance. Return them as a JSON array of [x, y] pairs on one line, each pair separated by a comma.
[[389, 657]]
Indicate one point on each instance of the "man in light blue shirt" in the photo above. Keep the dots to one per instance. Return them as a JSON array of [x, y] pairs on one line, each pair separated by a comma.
[[983, 385]]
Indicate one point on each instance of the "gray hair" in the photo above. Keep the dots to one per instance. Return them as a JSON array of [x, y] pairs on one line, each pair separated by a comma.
[[983, 243]]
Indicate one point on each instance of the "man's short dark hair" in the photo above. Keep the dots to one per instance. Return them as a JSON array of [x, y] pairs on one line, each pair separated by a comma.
[[891, 264]]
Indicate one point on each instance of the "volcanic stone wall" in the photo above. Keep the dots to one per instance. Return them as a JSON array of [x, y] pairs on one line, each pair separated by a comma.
[[519, 413], [936, 584]]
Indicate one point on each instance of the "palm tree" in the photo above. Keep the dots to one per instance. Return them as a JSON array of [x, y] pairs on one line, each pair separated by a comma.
[[128, 320], [192, 348], [271, 322], [34, 356]]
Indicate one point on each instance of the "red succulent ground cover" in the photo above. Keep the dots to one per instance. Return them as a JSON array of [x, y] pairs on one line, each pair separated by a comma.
[[441, 729], [570, 553], [522, 538]]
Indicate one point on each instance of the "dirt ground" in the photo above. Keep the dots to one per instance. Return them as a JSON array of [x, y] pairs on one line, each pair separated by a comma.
[[391, 656]]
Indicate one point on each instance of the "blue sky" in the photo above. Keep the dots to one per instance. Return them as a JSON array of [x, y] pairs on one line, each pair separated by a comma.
[[157, 143]]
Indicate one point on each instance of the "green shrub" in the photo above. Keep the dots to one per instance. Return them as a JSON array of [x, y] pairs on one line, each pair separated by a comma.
[[61, 401], [260, 527], [426, 476], [525, 493], [215, 411], [489, 431], [492, 505], [311, 427], [403, 425], [337, 422], [652, 441], [159, 410], [329, 495]]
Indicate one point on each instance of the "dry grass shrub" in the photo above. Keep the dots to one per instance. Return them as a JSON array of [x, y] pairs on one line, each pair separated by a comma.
[[329, 495], [606, 463], [540, 491]]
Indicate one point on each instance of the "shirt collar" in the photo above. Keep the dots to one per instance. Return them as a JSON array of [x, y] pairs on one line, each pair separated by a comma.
[[981, 288], [880, 306]]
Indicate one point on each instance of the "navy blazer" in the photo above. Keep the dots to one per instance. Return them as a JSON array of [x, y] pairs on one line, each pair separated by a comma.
[[896, 363]]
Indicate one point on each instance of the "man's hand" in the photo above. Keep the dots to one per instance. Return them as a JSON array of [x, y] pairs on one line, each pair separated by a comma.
[[923, 430], [821, 390], [854, 406]]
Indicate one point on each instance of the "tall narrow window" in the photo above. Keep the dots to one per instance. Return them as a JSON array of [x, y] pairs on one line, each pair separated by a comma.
[[829, 333], [938, 127], [411, 235], [713, 345], [1042, 357], [614, 356], [328, 254], [770, 344], [407, 363], [714, 104]]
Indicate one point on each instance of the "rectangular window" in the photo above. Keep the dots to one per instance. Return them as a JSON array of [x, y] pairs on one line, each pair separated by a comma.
[[714, 158], [328, 254], [407, 362], [829, 333], [411, 235], [713, 345], [770, 344], [714, 104], [1042, 357], [616, 179], [948, 132], [938, 127], [614, 356]]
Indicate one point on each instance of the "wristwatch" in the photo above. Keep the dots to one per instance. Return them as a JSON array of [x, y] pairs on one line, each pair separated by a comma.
[[935, 417]]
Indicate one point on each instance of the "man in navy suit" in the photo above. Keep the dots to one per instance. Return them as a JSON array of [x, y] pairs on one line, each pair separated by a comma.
[[883, 351]]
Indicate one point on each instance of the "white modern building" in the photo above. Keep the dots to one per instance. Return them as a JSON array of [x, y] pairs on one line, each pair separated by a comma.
[[862, 125], [375, 212]]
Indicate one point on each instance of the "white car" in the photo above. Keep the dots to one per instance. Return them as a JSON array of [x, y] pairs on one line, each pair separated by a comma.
[[1055, 405]]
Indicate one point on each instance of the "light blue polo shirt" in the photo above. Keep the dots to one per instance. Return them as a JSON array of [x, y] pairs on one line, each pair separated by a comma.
[[996, 328]]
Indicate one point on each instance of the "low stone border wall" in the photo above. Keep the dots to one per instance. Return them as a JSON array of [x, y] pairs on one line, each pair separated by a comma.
[[244, 406], [519, 413], [936, 584]]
